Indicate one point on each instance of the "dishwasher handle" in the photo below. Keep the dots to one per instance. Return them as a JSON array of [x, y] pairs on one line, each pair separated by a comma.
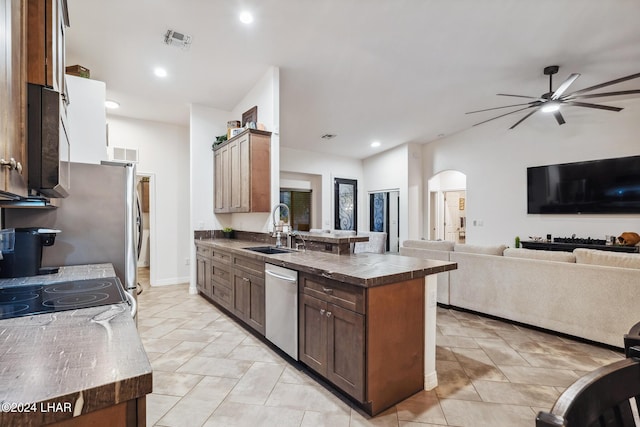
[[281, 277]]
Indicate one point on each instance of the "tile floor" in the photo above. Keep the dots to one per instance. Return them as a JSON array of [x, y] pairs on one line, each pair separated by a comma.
[[210, 372]]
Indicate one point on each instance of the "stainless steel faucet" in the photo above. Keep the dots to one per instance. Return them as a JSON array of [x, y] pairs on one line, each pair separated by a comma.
[[277, 228]]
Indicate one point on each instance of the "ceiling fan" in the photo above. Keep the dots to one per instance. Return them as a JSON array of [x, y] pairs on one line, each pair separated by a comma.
[[551, 101]]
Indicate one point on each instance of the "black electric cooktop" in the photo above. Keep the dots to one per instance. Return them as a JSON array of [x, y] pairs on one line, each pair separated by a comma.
[[26, 300]]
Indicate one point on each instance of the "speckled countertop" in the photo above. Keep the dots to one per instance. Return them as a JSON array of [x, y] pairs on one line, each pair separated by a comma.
[[362, 269], [75, 361]]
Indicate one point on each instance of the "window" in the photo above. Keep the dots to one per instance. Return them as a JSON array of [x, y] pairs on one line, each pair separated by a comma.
[[299, 203]]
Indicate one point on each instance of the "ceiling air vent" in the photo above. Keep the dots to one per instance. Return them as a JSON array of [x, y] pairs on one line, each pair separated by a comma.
[[174, 38]]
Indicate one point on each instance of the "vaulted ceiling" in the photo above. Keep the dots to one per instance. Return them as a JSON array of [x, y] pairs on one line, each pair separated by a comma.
[[366, 70]]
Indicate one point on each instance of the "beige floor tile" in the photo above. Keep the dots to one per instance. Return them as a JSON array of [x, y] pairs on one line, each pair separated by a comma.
[[573, 361], [415, 424], [306, 398], [174, 313], [159, 345], [423, 407], [157, 406], [481, 414], [174, 384], [213, 388], [539, 376], [230, 414], [477, 365], [215, 367], [292, 375], [177, 356], [457, 342], [500, 352], [516, 394], [162, 329], [462, 331], [255, 353], [320, 419], [453, 382], [444, 353], [388, 418], [188, 412], [255, 386], [193, 335]]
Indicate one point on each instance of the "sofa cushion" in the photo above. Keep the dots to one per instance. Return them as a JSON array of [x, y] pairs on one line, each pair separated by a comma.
[[435, 245], [477, 249], [607, 258], [537, 254]]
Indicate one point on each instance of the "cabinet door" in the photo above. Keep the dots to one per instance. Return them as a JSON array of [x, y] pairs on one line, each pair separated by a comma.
[[201, 273], [13, 98], [240, 295], [240, 174], [222, 180], [221, 284], [345, 350], [256, 311], [312, 347]]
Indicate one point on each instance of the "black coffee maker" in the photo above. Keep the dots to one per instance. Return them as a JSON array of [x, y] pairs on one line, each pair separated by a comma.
[[26, 257]]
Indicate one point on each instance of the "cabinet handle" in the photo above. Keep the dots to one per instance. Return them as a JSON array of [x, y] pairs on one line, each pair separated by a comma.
[[11, 164], [328, 314], [327, 290], [322, 310]]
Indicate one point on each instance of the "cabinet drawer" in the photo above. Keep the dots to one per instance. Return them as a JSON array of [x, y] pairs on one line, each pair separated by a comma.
[[252, 266], [345, 296], [220, 273], [203, 251], [221, 256], [221, 294]]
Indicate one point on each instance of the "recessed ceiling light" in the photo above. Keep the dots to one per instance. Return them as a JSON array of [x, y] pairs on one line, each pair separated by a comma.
[[246, 17], [375, 144], [160, 72], [112, 105], [550, 107]]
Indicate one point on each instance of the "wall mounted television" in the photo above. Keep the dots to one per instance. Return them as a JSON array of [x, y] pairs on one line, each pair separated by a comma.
[[607, 186]]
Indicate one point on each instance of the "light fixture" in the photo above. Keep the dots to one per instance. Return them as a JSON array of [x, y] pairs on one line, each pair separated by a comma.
[[246, 17], [160, 72], [550, 107], [174, 38], [375, 144], [112, 105]]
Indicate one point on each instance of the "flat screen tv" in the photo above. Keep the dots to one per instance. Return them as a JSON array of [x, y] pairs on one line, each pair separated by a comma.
[[608, 186]]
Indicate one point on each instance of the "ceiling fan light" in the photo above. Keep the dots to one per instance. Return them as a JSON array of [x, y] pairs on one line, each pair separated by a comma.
[[550, 107]]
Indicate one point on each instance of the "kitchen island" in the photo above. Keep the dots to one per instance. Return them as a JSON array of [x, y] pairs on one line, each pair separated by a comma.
[[367, 321], [73, 367]]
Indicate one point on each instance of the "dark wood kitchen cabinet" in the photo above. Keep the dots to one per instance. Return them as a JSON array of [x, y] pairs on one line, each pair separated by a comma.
[[248, 291], [203, 269], [13, 148], [368, 342], [242, 173]]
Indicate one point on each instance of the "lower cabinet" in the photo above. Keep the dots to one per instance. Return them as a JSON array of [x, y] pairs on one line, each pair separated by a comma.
[[368, 342], [234, 282]]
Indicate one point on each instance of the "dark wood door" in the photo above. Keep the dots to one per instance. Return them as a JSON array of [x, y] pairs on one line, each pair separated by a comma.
[[345, 350], [312, 347]]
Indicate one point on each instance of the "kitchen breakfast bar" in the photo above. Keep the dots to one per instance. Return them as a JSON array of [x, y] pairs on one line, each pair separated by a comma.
[[366, 323]]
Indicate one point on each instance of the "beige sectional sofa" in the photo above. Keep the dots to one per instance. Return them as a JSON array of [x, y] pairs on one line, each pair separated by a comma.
[[588, 293]]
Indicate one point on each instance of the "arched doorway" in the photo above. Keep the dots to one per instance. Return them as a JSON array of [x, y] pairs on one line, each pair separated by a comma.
[[448, 206]]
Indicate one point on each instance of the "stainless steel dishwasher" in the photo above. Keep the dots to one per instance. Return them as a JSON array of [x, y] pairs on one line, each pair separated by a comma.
[[281, 306]]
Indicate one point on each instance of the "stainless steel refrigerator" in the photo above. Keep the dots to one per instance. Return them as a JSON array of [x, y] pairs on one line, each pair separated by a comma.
[[100, 220]]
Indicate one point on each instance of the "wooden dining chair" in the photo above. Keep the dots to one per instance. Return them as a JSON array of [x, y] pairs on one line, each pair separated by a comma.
[[602, 398]]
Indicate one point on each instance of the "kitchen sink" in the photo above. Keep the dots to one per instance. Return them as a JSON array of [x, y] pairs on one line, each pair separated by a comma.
[[269, 250]]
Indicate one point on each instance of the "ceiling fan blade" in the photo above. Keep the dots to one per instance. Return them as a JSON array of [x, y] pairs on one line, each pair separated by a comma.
[[596, 95], [497, 108], [523, 119], [605, 84], [502, 115], [559, 117], [564, 86], [518, 96], [588, 105]]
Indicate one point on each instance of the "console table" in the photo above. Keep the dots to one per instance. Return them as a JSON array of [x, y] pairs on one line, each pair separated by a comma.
[[569, 247]]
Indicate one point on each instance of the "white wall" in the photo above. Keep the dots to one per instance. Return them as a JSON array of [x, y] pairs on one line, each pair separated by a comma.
[[495, 161], [87, 120], [163, 151], [328, 167]]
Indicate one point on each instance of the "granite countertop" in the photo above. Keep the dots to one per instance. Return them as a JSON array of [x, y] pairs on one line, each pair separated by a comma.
[[67, 363], [362, 269], [335, 238]]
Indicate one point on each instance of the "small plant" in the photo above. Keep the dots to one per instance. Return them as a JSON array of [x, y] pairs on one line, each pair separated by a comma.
[[227, 230], [228, 233], [517, 241]]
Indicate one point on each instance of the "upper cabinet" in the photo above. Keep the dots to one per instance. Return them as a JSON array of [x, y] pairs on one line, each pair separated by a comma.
[[47, 22], [13, 174], [242, 169]]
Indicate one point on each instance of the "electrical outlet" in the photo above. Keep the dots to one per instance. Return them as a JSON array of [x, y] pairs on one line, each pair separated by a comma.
[[186, 261]]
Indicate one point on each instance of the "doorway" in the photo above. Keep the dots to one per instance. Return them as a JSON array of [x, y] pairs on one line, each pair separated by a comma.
[[384, 214], [299, 203], [447, 213], [145, 201], [454, 224]]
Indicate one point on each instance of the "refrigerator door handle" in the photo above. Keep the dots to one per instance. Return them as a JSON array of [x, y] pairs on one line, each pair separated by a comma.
[[132, 303]]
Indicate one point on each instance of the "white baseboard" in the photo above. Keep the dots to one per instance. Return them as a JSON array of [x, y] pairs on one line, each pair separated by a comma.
[[430, 380], [171, 281]]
